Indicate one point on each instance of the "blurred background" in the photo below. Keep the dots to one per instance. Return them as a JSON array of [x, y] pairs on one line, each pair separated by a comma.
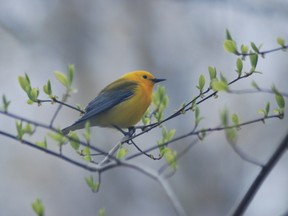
[[174, 39]]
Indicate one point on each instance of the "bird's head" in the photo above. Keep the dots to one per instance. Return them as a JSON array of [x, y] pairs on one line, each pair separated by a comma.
[[143, 77]]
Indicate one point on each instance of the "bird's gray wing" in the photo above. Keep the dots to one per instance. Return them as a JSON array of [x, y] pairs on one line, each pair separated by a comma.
[[108, 98]]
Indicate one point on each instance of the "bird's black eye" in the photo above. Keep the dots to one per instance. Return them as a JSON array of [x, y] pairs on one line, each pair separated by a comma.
[[145, 77]]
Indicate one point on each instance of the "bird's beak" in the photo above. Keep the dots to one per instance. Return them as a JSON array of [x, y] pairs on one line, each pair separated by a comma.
[[155, 80]]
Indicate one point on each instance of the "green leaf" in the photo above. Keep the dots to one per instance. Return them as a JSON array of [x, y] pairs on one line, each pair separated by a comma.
[[280, 100], [255, 85], [6, 103], [70, 72], [22, 130], [279, 112], [42, 144], [29, 101], [212, 72], [24, 83], [231, 135], [167, 135], [253, 61], [267, 108], [47, 88], [183, 105], [224, 117], [160, 101], [197, 116], [281, 41], [19, 129], [87, 131], [170, 134], [197, 112], [74, 141], [239, 66], [86, 154], [102, 212], [202, 134], [230, 47], [201, 83], [145, 118], [78, 106], [235, 119], [94, 186], [244, 49], [62, 78], [262, 112], [265, 111], [33, 94], [18, 125], [254, 47], [38, 207], [28, 129], [223, 78], [122, 152], [58, 137], [228, 35], [219, 85], [170, 156]]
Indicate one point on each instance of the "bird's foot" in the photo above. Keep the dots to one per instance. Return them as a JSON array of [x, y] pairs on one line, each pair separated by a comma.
[[127, 134]]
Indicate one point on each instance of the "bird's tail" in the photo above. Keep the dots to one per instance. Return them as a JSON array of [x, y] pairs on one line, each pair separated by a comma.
[[66, 130], [72, 127]]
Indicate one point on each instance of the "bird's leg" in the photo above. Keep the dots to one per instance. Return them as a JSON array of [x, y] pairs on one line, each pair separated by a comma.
[[119, 129], [127, 134], [131, 131]]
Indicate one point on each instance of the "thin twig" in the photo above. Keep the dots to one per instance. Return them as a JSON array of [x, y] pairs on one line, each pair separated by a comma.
[[148, 155], [110, 154], [38, 124], [284, 48], [63, 157], [197, 132], [62, 103], [58, 110]]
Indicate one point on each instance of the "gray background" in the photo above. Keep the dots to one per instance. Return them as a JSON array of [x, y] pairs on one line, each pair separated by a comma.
[[176, 40]]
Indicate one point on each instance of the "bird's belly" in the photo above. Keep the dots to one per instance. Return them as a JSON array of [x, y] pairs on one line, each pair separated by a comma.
[[123, 115]]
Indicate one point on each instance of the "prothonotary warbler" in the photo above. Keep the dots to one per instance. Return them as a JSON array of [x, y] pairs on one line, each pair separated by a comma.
[[121, 104]]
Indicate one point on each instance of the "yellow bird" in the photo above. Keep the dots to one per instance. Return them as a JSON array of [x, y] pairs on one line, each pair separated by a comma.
[[121, 104]]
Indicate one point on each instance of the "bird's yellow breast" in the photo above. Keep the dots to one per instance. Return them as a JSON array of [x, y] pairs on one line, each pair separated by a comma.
[[128, 112]]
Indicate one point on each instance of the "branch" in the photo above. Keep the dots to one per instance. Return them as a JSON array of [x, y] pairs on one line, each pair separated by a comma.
[[110, 154], [240, 210], [54, 100], [92, 167], [262, 53], [60, 156], [65, 97], [38, 124], [163, 182], [201, 131]]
